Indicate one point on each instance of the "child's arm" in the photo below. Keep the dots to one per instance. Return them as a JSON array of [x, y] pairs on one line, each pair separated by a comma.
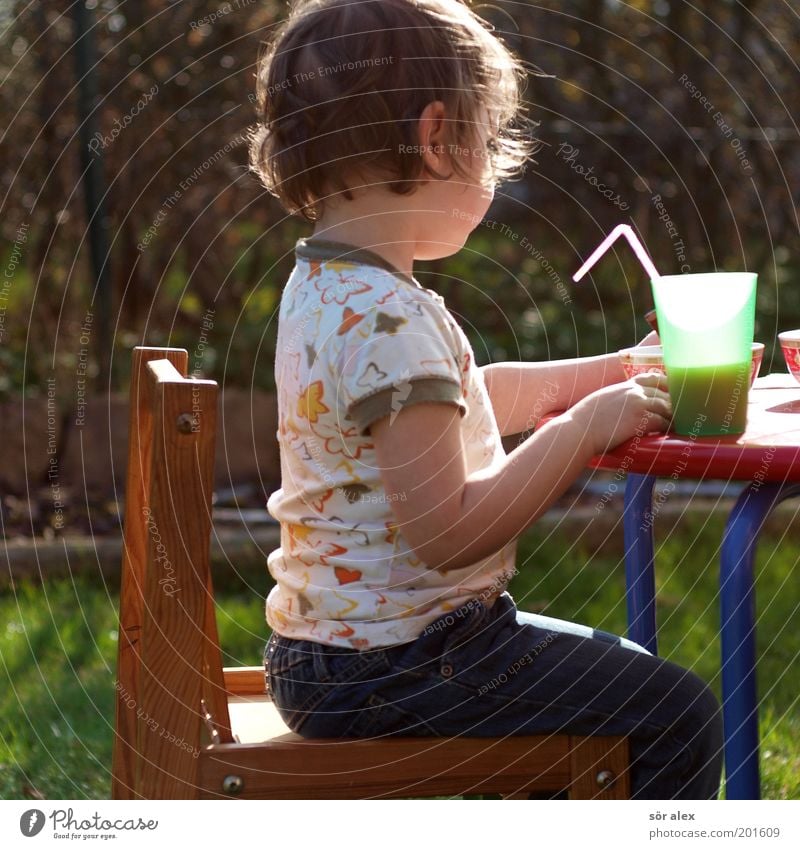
[[521, 393], [453, 520]]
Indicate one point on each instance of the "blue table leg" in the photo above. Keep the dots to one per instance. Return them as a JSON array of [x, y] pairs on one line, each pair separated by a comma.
[[640, 580], [737, 602]]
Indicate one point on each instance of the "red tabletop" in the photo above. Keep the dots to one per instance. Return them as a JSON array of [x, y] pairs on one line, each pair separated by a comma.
[[768, 451]]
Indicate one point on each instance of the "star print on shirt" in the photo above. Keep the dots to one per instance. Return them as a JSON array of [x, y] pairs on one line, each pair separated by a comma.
[[309, 404], [388, 323]]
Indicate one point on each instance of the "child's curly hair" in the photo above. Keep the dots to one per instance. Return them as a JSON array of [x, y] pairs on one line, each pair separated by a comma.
[[342, 85]]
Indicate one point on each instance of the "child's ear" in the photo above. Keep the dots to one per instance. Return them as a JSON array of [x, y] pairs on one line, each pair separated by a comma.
[[432, 134]]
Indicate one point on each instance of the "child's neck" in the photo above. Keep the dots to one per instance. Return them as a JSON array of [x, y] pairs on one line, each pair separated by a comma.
[[384, 232]]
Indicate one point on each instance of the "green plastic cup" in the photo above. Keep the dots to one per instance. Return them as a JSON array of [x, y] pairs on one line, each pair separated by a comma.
[[706, 324]]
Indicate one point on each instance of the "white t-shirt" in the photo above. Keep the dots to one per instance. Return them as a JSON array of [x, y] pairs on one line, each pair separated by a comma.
[[357, 341]]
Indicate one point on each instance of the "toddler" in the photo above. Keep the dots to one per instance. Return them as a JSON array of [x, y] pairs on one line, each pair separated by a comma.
[[387, 126]]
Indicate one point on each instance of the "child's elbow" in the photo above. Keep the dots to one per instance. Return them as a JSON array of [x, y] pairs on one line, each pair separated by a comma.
[[443, 553]]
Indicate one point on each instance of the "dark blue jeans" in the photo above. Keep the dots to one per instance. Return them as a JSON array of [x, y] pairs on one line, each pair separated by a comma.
[[491, 672]]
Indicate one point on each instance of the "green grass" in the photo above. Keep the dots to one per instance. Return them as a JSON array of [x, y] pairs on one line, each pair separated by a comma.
[[58, 648]]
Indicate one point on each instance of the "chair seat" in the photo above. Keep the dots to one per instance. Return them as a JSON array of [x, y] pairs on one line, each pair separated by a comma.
[[255, 719], [270, 761]]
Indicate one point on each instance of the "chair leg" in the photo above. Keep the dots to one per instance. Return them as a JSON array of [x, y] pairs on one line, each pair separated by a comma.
[[600, 768]]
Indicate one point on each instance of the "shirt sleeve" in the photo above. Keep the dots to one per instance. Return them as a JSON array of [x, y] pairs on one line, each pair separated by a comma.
[[404, 352]]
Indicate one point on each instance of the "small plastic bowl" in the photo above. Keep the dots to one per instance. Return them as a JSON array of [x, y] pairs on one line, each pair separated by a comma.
[[644, 359], [790, 344], [649, 359]]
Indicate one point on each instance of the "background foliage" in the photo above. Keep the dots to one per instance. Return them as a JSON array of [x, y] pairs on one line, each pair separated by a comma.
[[619, 86], [621, 91]]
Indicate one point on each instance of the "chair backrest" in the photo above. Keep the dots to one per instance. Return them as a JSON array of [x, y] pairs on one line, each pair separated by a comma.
[[169, 678]]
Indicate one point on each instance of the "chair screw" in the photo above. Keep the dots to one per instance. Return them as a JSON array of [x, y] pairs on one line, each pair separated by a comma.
[[232, 785], [184, 423], [605, 778]]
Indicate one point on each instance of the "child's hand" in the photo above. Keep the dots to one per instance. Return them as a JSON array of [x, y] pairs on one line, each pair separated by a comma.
[[621, 411]]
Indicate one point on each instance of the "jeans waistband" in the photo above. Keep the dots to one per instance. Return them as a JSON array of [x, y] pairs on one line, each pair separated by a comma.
[[458, 627], [446, 632]]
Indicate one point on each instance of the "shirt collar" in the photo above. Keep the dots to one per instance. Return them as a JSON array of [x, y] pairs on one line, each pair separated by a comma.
[[323, 249]]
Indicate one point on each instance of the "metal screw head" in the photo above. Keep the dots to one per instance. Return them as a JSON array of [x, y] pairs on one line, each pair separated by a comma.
[[184, 423], [232, 785], [605, 778]]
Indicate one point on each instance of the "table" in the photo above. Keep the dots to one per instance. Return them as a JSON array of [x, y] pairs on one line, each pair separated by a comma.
[[767, 456]]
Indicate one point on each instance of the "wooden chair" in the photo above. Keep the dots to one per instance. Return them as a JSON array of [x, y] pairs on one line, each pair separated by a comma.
[[187, 728]]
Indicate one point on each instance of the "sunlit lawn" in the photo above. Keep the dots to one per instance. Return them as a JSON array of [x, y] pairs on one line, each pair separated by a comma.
[[58, 649]]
